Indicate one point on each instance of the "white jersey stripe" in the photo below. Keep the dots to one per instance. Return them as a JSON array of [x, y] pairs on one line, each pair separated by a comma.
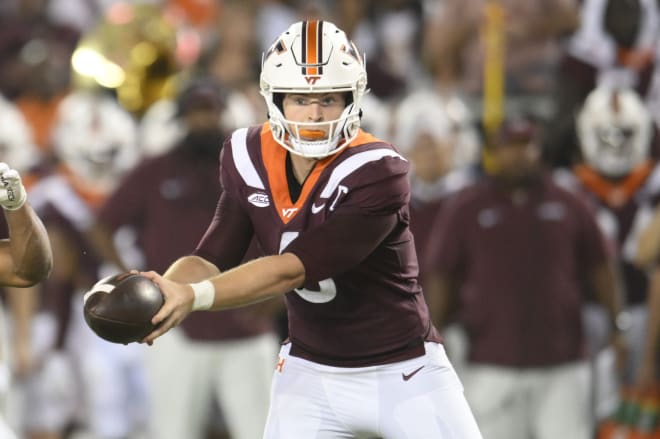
[[242, 160], [353, 163]]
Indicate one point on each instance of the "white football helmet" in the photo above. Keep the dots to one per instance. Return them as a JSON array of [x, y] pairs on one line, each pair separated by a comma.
[[445, 118], [313, 57], [615, 131], [96, 138]]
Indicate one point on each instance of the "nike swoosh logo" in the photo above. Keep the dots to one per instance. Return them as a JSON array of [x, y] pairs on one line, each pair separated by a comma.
[[411, 374], [316, 209]]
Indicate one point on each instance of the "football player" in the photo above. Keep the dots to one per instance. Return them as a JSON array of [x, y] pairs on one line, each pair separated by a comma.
[[621, 181], [517, 294], [621, 172], [25, 257], [76, 378], [328, 204]]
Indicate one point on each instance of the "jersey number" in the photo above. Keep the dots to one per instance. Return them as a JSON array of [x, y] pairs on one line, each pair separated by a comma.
[[327, 288]]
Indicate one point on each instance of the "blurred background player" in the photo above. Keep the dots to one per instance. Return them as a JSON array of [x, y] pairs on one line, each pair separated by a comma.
[[618, 177], [77, 381], [525, 362], [25, 259], [438, 136], [16, 147], [442, 144], [168, 201]]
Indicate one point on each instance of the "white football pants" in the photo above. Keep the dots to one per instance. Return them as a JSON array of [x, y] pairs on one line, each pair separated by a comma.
[[421, 398]]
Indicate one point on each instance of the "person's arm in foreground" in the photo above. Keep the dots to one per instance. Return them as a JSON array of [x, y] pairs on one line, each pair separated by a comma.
[[251, 282], [26, 257], [22, 306]]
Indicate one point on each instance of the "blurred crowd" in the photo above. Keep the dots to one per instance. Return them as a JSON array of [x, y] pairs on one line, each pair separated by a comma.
[[509, 111]]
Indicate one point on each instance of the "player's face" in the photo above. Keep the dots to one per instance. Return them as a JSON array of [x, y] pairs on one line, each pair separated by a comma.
[[430, 157], [311, 108], [517, 161]]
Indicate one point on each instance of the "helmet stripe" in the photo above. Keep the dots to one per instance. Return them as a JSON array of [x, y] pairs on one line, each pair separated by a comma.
[[312, 46], [319, 39], [303, 42]]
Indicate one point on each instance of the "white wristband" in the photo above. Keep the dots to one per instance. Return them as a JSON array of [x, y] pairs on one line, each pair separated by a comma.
[[204, 295]]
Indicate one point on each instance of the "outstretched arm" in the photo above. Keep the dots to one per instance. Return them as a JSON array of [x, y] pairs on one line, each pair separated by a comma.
[[248, 283], [26, 257]]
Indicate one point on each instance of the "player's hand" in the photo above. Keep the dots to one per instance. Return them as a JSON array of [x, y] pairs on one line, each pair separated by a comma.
[[12, 191], [178, 304]]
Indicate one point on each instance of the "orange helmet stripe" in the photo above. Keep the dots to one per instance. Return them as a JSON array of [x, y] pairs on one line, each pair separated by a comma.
[[312, 46]]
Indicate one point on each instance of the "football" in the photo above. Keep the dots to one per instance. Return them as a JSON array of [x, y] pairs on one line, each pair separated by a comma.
[[119, 308]]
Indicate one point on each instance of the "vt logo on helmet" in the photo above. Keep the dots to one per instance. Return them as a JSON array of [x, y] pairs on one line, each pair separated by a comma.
[[313, 57]]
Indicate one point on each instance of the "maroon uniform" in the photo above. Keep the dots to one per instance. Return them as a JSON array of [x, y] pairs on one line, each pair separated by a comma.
[[425, 204], [521, 263], [360, 260]]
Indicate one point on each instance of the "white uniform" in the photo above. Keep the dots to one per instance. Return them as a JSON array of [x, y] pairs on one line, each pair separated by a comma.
[[425, 389]]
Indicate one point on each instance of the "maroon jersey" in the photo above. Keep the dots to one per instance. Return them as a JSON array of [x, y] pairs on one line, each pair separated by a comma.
[[361, 303], [521, 264], [426, 202]]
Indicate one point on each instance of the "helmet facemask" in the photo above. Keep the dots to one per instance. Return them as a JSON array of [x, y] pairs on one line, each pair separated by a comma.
[[616, 150], [315, 139], [614, 128]]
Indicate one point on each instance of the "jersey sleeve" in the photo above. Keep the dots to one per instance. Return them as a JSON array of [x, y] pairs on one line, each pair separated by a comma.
[[378, 189], [228, 237]]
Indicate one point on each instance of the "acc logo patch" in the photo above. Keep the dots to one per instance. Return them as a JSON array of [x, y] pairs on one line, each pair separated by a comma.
[[259, 199]]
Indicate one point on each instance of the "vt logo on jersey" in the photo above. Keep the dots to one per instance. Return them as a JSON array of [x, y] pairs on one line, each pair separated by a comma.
[[259, 199], [288, 212], [341, 190]]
